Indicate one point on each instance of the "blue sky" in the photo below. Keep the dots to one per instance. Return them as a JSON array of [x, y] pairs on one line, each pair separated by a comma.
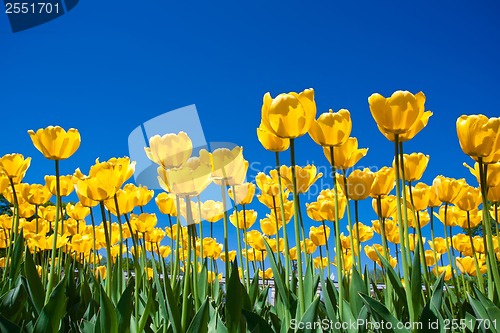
[[106, 68]]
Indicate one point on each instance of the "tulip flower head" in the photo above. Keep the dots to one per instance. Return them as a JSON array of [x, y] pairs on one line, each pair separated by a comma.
[[55, 143]]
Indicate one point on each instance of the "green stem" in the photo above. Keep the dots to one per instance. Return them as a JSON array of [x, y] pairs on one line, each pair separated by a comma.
[[226, 246], [493, 284], [282, 208], [297, 231], [349, 220], [108, 250], [54, 242], [338, 242], [187, 273], [402, 228]]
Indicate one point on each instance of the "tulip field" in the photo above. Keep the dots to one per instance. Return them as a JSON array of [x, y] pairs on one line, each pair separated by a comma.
[[104, 264]]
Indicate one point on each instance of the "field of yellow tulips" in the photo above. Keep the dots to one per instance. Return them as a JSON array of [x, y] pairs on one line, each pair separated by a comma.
[[103, 264]]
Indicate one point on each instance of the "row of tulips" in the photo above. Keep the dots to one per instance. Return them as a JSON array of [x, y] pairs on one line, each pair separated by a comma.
[[121, 291]]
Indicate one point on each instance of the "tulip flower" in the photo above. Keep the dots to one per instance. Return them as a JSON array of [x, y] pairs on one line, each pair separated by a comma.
[[313, 211], [66, 185], [126, 199], [359, 183], [232, 256], [244, 222], [308, 246], [306, 176], [255, 240], [478, 137], [365, 232], [345, 155], [244, 193], [55, 143], [414, 166], [36, 194], [143, 223], [4, 182], [228, 165], [438, 245], [331, 128], [438, 271], [467, 266], [266, 275], [383, 183], [166, 203], [449, 190], [189, 179], [288, 115], [272, 142], [275, 245], [14, 167], [399, 113], [420, 195], [171, 150], [144, 194], [77, 211], [319, 235], [492, 176], [320, 262], [100, 184], [470, 198], [212, 211], [414, 130], [268, 226], [387, 206]]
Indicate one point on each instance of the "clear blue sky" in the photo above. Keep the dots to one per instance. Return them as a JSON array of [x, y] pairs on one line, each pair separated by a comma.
[[107, 67]]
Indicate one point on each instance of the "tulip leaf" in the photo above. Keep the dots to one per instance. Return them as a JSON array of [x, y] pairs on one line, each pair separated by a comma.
[[53, 311], [234, 299], [124, 309], [485, 310], [310, 315], [356, 285], [380, 312], [256, 323], [254, 289], [147, 310], [35, 287], [200, 320], [108, 320], [416, 280], [348, 317], [8, 326], [393, 277], [13, 302], [173, 308], [278, 281], [215, 324]]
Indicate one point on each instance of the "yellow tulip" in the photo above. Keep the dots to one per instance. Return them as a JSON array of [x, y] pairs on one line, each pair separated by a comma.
[[255, 240], [449, 190], [254, 255], [421, 194], [387, 206], [272, 142], [414, 166], [189, 179], [124, 169], [470, 198], [313, 211], [347, 261], [478, 137], [66, 185], [81, 244], [228, 165], [319, 235], [145, 195], [14, 166], [438, 270], [195, 212], [467, 266], [4, 182], [308, 246], [346, 155], [212, 277], [365, 232], [492, 174], [126, 200], [212, 211], [383, 183], [165, 251], [266, 275], [166, 203], [36, 194], [494, 194], [244, 193], [414, 130], [55, 143], [77, 211], [245, 221], [269, 184], [9, 194], [399, 113], [268, 226], [154, 236], [143, 223], [101, 272], [48, 213], [171, 150], [320, 262], [327, 207], [275, 245], [359, 183], [305, 177], [331, 128], [289, 115], [26, 210], [231, 255], [100, 184], [439, 245]]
